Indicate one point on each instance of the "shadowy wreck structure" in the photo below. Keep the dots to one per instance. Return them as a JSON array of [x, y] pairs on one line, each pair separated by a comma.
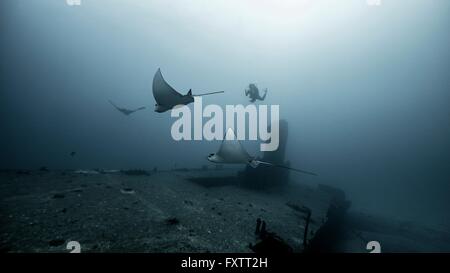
[[264, 176]]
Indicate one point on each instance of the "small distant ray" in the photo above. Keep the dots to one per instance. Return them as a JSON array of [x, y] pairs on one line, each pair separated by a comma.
[[232, 152], [125, 111], [167, 97]]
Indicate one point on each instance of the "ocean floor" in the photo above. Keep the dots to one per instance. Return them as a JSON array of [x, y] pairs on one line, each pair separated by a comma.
[[170, 211], [181, 211]]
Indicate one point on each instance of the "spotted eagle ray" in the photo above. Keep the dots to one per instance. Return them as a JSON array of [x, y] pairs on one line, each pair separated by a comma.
[[125, 111], [232, 152], [167, 98]]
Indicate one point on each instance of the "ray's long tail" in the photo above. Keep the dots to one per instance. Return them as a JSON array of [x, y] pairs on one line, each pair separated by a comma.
[[255, 163], [205, 94]]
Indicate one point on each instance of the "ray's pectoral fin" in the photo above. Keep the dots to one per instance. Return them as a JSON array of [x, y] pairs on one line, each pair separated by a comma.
[[165, 95]]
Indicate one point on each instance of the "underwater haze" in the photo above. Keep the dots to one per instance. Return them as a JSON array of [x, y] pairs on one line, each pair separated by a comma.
[[365, 89]]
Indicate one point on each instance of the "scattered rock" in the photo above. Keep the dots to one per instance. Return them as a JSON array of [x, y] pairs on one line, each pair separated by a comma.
[[85, 172], [58, 196], [134, 172], [127, 191], [172, 221]]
